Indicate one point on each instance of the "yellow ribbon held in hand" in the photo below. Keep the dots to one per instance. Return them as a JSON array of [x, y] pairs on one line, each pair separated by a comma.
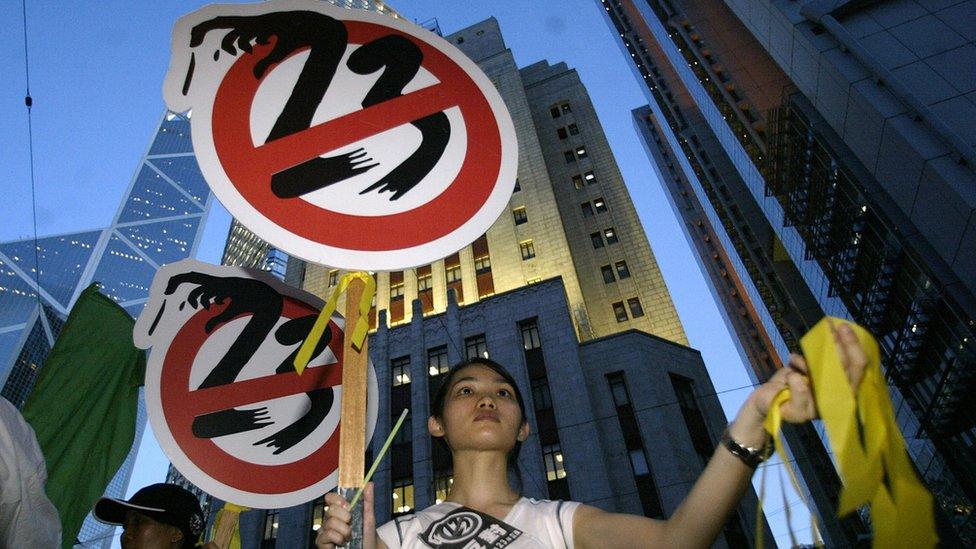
[[870, 452], [358, 335], [772, 424]]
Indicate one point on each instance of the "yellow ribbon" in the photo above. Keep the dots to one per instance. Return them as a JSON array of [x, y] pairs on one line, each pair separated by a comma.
[[358, 335], [772, 424], [227, 526], [868, 447]]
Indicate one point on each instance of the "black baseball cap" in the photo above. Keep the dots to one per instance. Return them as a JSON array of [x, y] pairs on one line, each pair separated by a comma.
[[166, 503]]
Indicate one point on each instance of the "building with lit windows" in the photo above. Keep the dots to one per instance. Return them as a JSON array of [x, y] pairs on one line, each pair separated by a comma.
[[570, 215], [821, 157], [625, 422], [159, 221], [563, 289]]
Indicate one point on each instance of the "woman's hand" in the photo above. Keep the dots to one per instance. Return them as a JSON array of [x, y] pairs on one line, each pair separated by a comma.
[[801, 406], [335, 530]]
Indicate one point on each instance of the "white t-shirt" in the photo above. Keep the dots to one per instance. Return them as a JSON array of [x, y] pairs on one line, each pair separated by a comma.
[[543, 524], [27, 516]]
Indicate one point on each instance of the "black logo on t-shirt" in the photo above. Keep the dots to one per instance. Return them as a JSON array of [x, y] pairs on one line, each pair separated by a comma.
[[466, 528]]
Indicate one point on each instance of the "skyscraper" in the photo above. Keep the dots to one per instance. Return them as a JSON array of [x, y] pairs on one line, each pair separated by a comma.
[[570, 215], [159, 221], [567, 263], [821, 158]]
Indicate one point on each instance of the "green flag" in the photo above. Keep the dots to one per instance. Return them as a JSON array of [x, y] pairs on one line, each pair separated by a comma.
[[83, 407]]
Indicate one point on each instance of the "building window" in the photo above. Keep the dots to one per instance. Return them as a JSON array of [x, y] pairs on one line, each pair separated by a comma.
[[565, 108], [636, 310], [561, 133], [599, 205], [554, 112], [453, 273], [318, 517], [270, 529], [528, 249], [437, 361], [611, 235], [577, 181], [520, 215], [622, 270], [684, 389], [405, 435], [573, 129], [442, 487], [619, 311], [552, 455], [618, 390], [425, 282], [569, 156], [541, 396], [482, 265], [400, 368], [396, 291], [607, 273], [589, 177], [530, 335], [581, 152], [476, 347], [639, 462], [597, 240], [402, 496], [587, 209], [646, 487], [518, 187], [333, 277]]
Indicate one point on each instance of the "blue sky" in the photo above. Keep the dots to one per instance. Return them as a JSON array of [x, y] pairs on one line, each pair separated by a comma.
[[96, 73]]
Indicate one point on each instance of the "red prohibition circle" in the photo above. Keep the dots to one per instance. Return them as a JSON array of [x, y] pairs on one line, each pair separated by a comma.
[[250, 166], [181, 405]]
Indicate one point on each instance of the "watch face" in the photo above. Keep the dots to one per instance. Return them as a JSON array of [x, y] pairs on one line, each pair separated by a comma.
[[750, 456]]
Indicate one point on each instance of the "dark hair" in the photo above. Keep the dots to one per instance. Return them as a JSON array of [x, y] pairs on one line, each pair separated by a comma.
[[437, 406]]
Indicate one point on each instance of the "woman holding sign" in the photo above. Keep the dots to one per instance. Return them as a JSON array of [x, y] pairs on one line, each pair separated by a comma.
[[479, 413]]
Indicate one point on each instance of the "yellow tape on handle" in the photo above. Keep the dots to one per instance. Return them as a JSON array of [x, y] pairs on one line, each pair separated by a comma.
[[227, 527], [358, 334], [869, 449]]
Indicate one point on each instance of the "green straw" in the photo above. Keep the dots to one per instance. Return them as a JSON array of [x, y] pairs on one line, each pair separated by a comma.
[[379, 458]]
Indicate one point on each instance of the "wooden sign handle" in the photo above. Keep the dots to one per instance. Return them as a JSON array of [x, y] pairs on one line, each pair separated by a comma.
[[352, 426]]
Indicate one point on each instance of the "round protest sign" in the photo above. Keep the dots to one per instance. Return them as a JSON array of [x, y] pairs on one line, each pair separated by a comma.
[[344, 137], [223, 396]]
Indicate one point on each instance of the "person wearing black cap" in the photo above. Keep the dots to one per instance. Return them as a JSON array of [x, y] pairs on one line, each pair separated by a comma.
[[160, 515]]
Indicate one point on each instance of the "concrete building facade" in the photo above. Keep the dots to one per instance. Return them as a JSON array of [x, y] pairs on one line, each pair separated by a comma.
[[821, 157], [570, 215], [625, 422]]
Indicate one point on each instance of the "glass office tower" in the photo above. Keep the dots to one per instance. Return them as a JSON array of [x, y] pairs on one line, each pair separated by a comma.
[[821, 158], [159, 221]]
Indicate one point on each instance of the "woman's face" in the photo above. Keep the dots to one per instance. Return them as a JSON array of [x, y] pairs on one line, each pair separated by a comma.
[[480, 412]]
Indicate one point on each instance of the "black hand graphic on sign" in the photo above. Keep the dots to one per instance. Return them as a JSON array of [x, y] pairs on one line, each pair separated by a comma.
[[401, 60], [320, 401], [326, 39], [230, 422], [318, 173], [246, 296]]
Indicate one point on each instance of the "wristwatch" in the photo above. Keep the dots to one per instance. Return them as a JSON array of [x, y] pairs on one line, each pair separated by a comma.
[[750, 456]]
